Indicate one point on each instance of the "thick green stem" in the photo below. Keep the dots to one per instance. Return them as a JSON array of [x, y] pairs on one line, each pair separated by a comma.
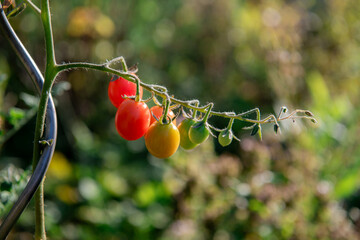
[[40, 233], [49, 41], [40, 121], [50, 74]]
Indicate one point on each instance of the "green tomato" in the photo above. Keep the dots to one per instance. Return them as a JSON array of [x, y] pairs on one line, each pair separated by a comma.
[[183, 128], [225, 137], [198, 132]]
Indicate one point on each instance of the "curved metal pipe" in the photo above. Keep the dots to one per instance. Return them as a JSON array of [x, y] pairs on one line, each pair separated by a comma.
[[50, 130]]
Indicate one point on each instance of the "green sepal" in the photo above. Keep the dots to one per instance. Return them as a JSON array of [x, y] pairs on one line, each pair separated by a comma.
[[255, 130]]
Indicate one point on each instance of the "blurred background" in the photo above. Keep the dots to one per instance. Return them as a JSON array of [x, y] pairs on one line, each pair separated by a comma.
[[301, 184]]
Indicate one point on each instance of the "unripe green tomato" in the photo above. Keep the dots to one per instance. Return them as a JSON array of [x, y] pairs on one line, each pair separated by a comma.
[[183, 128], [225, 137], [198, 132]]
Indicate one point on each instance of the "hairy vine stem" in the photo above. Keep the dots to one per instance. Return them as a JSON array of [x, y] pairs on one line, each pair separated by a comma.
[[162, 92], [50, 75]]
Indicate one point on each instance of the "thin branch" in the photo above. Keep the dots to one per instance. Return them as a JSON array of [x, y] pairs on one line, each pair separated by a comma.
[[33, 6], [162, 92]]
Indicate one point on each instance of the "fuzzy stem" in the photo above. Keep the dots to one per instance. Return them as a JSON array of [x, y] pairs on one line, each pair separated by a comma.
[[123, 63], [195, 111], [207, 114], [49, 40], [230, 124], [40, 233], [161, 92], [137, 96], [165, 113], [50, 74]]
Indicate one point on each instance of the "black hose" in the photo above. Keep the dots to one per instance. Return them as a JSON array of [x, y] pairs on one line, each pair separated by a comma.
[[50, 130]]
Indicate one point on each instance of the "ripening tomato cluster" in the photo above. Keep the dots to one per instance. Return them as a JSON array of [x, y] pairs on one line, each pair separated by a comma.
[[134, 120]]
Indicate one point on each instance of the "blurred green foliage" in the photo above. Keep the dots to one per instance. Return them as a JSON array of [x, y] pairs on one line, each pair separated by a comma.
[[302, 184]]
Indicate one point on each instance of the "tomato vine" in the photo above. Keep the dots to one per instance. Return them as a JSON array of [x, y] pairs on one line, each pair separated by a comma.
[[196, 130]]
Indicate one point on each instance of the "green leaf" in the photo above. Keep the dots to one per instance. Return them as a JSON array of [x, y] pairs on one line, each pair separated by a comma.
[[318, 89], [12, 182], [347, 184], [15, 115]]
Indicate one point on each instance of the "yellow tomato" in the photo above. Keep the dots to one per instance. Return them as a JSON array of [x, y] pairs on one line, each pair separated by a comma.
[[162, 140]]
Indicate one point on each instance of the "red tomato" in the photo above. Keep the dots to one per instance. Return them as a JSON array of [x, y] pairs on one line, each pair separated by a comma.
[[162, 140], [120, 87], [132, 119], [158, 111]]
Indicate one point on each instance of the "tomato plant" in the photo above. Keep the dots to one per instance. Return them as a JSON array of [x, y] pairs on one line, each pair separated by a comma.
[[132, 119], [162, 140], [183, 128], [120, 87], [157, 111], [199, 132]]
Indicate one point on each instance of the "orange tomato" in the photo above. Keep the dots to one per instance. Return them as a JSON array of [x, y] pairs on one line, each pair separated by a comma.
[[162, 140], [158, 111]]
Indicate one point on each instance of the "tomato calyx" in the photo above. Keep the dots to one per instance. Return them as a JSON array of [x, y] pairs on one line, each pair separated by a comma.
[[114, 78], [158, 111], [163, 112], [256, 130], [167, 122]]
